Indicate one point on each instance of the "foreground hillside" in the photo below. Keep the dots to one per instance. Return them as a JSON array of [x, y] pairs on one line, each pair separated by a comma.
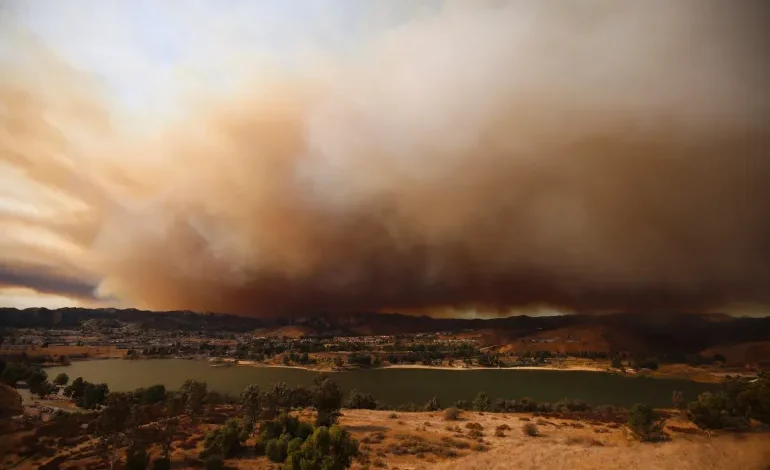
[[493, 441]]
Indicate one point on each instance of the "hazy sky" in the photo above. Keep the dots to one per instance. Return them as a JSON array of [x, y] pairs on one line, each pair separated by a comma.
[[136, 50], [459, 157]]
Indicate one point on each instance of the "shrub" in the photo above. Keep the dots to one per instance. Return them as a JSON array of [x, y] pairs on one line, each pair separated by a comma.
[[530, 430], [361, 401], [214, 462], [331, 449], [499, 432], [481, 402], [226, 440], [645, 422], [462, 405], [304, 430], [452, 414], [393, 416], [277, 449], [710, 410], [478, 447], [433, 404], [154, 394]]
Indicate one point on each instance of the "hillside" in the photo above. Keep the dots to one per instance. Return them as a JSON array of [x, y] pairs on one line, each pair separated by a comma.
[[754, 352], [643, 333]]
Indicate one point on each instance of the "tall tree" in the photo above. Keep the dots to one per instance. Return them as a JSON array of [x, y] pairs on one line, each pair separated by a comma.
[[194, 393], [251, 403]]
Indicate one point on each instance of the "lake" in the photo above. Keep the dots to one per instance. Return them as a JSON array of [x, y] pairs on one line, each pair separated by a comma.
[[395, 386]]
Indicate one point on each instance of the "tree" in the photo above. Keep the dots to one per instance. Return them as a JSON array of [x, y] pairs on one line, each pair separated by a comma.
[[645, 422], [302, 397], [76, 389], [93, 395], [112, 426], [42, 389], [251, 403], [481, 402], [154, 394], [327, 399], [226, 440], [37, 380], [14, 372], [193, 393], [278, 397], [326, 449], [61, 379], [360, 401]]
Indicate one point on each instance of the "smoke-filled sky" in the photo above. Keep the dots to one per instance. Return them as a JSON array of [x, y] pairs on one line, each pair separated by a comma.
[[457, 157]]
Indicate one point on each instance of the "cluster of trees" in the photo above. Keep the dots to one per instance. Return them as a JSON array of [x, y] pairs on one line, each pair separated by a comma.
[[734, 406], [284, 438], [32, 374], [130, 422], [87, 395]]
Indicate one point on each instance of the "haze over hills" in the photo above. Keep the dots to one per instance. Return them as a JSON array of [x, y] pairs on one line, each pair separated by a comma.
[[611, 333]]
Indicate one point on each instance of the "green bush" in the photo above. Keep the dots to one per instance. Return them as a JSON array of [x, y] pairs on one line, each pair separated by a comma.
[[277, 449], [482, 402], [326, 449], [433, 404], [645, 422], [710, 410], [360, 401], [226, 440], [304, 430], [462, 405]]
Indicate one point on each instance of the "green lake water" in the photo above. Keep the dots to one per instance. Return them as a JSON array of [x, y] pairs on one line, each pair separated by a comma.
[[396, 386]]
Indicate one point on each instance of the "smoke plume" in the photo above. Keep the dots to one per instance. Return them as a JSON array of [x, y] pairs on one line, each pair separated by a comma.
[[579, 155]]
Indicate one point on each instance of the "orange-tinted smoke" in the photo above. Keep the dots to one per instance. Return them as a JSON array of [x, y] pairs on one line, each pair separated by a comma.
[[585, 156]]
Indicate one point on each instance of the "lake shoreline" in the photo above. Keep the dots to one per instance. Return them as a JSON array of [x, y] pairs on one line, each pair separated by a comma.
[[694, 375], [421, 367]]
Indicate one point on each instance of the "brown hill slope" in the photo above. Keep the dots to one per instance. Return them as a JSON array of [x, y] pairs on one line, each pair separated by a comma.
[[754, 352], [10, 402]]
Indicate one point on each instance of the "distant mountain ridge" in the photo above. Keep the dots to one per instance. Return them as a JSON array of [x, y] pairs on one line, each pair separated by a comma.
[[636, 332]]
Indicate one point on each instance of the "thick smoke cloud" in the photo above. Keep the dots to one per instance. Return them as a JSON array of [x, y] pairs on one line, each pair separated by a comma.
[[582, 155]]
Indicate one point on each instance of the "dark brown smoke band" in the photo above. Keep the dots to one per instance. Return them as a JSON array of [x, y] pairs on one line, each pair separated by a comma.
[[587, 156]]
